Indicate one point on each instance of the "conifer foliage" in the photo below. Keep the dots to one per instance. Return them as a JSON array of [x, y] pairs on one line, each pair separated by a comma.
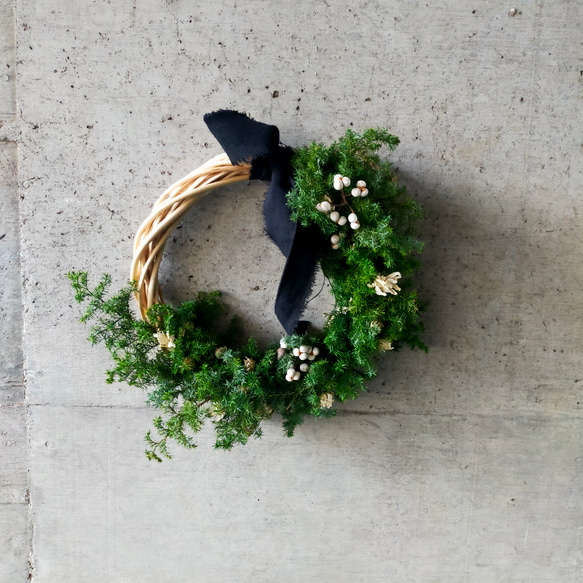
[[192, 369]]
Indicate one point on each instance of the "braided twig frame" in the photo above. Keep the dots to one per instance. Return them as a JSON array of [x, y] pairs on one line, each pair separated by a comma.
[[167, 212]]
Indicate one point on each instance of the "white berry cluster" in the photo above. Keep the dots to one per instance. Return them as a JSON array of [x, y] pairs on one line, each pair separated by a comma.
[[354, 224], [361, 190], [341, 182], [326, 207], [303, 353]]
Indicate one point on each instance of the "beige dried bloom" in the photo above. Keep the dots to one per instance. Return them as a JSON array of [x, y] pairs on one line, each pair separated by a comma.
[[386, 284], [165, 340], [249, 364], [217, 414], [326, 400], [385, 344], [220, 352]]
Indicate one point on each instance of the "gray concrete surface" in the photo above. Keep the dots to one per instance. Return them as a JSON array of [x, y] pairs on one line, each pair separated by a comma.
[[463, 465]]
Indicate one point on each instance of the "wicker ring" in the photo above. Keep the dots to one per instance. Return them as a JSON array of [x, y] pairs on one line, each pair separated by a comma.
[[167, 212]]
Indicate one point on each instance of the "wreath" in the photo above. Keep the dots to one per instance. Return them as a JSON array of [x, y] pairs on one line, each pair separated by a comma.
[[337, 205]]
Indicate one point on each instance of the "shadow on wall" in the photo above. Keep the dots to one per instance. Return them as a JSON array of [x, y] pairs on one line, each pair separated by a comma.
[[467, 274]]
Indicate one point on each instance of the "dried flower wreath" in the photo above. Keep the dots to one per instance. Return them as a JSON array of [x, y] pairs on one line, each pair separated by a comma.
[[364, 239]]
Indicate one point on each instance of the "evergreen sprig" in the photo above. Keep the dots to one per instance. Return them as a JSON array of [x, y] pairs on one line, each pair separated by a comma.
[[189, 365]]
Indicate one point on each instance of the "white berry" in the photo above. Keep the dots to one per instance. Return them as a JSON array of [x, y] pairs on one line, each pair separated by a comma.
[[355, 192], [352, 217], [355, 225], [334, 216], [304, 348], [282, 343], [338, 185], [315, 351], [296, 351], [304, 367], [335, 246], [334, 239], [364, 192], [337, 177], [303, 356], [361, 184], [342, 221], [346, 181], [297, 376], [325, 206]]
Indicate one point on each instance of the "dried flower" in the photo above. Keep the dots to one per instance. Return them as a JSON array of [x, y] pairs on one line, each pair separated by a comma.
[[165, 340], [385, 345], [384, 284], [249, 364], [217, 414], [220, 352], [326, 400]]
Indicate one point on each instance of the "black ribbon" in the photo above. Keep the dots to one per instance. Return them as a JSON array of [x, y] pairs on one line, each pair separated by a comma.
[[246, 140]]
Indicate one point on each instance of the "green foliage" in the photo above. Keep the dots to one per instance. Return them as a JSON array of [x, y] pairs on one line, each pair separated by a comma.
[[193, 371]]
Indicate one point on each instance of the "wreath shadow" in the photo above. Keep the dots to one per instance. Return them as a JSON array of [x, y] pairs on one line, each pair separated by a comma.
[[460, 282]]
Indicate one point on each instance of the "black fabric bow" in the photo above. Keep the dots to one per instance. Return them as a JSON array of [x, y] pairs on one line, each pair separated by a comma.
[[246, 140]]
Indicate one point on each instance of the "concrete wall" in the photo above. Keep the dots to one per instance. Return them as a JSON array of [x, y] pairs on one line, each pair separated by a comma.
[[463, 465]]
